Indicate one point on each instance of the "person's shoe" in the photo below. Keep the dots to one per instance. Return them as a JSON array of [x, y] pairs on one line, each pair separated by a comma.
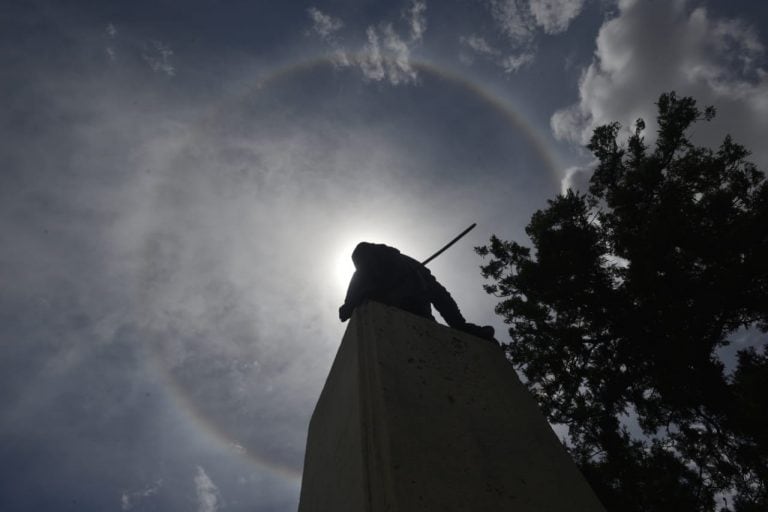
[[486, 331]]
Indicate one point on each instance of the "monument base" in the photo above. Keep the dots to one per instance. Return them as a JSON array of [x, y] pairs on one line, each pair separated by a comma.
[[416, 416]]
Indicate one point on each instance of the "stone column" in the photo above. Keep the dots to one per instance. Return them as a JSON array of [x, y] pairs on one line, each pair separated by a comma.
[[416, 416]]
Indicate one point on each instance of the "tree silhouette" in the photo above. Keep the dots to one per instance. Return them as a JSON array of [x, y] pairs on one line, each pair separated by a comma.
[[617, 314]]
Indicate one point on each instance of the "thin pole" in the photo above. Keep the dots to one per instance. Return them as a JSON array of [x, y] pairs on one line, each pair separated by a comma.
[[438, 253]]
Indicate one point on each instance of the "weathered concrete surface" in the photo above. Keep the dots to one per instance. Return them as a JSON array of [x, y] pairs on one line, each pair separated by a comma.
[[416, 416]]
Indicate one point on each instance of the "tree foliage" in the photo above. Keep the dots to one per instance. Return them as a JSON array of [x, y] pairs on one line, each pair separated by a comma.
[[618, 309]]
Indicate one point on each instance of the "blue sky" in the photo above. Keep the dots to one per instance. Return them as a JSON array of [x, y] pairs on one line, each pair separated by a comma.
[[183, 182]]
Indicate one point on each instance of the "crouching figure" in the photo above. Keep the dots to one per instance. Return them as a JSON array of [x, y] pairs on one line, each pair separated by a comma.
[[385, 275]]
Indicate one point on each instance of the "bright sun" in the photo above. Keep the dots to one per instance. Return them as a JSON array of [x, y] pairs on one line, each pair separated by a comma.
[[343, 267]]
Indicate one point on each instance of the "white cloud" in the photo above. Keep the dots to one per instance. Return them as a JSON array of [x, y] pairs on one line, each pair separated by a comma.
[[480, 46], [398, 63], [323, 24], [128, 500], [554, 16], [158, 55], [416, 19], [340, 58], [393, 63], [577, 178], [110, 32], [326, 26], [514, 19], [385, 55], [512, 63], [238, 448], [717, 61], [518, 19], [572, 123], [207, 492], [372, 63], [520, 23]]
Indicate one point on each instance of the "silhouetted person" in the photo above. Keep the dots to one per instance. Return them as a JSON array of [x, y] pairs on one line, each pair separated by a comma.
[[385, 275]]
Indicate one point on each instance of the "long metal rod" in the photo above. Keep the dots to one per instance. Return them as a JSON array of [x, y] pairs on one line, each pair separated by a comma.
[[438, 253]]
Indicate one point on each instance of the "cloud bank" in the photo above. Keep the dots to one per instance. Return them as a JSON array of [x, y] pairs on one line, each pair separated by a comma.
[[650, 48]]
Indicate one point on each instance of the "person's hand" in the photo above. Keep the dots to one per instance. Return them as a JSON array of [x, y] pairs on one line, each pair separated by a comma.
[[345, 311]]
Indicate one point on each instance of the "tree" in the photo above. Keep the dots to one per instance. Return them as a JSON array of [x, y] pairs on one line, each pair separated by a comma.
[[617, 314]]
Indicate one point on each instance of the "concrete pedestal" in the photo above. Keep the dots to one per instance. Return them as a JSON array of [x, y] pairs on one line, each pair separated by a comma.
[[416, 416]]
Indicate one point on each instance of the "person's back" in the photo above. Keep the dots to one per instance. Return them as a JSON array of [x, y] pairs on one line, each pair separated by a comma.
[[385, 275]]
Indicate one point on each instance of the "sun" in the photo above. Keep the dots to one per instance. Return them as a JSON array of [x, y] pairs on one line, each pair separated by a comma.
[[343, 268]]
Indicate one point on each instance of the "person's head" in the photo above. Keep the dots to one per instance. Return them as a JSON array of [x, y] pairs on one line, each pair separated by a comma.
[[363, 255], [367, 256]]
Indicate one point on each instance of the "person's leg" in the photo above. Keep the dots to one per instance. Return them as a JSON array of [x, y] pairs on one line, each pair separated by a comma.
[[418, 306], [446, 306], [485, 331], [449, 310]]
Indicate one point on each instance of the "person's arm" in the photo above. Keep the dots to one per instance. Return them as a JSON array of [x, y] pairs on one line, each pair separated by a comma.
[[357, 291], [442, 300]]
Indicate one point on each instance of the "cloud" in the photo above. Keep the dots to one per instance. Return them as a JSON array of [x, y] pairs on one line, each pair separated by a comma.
[[511, 63], [158, 56], [323, 24], [128, 500], [520, 23], [480, 46], [389, 59], [416, 18], [514, 19], [110, 32], [207, 492], [385, 55], [554, 16], [326, 26], [519, 20], [372, 63], [577, 178], [399, 69], [717, 61]]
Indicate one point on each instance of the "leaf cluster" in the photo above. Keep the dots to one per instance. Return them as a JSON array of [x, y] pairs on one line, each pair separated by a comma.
[[619, 307]]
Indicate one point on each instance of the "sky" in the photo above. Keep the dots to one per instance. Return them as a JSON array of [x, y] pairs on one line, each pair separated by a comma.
[[182, 184]]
